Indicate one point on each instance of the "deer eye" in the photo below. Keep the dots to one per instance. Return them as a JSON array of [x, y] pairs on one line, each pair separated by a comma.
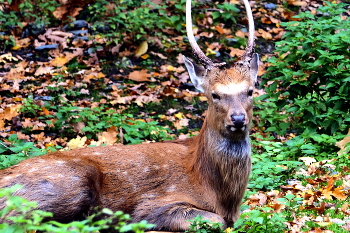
[[250, 92], [215, 96]]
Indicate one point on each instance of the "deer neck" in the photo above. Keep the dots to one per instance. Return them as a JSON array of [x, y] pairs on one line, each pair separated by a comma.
[[223, 164]]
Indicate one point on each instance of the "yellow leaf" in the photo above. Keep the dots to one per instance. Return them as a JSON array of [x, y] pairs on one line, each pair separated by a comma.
[[179, 115], [76, 142], [16, 47], [142, 49], [171, 68], [203, 98], [323, 224], [210, 52]]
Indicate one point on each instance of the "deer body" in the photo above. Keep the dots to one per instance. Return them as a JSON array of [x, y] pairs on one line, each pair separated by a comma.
[[148, 181], [165, 183]]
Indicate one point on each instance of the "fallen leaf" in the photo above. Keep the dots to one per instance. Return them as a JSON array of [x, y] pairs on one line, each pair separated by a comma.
[[142, 49], [109, 137], [58, 61], [236, 52], [297, 3], [43, 70], [139, 76], [341, 144], [264, 34], [76, 142], [239, 33], [219, 29], [10, 112]]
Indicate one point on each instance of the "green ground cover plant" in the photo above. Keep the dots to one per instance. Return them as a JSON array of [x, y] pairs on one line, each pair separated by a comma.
[[28, 219], [309, 78]]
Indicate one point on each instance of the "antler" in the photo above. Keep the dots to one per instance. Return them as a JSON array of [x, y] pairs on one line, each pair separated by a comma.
[[248, 54], [207, 62]]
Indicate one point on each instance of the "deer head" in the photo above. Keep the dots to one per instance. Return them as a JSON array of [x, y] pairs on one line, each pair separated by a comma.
[[229, 90]]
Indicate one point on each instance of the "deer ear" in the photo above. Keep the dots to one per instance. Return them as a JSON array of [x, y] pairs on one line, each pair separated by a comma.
[[196, 73], [254, 67]]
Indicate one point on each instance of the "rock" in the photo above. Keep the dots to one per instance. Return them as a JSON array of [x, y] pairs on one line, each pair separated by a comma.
[[45, 98], [100, 27], [270, 6], [47, 47], [33, 29], [79, 32], [76, 25]]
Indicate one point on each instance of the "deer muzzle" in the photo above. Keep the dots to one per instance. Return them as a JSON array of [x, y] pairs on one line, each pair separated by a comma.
[[238, 122]]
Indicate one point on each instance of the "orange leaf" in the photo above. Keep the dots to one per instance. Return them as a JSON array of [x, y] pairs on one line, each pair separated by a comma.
[[266, 20], [2, 125], [46, 112], [145, 56], [339, 193], [219, 29]]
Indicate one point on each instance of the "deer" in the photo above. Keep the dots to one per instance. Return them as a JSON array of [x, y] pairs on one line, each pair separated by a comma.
[[166, 183]]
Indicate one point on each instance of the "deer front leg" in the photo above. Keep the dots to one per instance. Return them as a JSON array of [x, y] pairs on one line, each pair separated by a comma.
[[175, 216]]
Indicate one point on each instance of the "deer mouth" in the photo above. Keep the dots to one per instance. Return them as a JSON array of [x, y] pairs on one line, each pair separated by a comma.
[[232, 128]]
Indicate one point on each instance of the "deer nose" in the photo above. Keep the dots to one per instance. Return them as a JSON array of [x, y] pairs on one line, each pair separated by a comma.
[[238, 120]]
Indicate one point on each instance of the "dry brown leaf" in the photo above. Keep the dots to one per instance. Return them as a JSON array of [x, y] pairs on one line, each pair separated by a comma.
[[62, 34], [60, 11], [59, 61], [22, 136], [264, 34], [239, 33], [24, 43], [43, 70], [179, 124], [236, 52], [10, 112], [161, 56], [297, 3], [109, 137], [341, 144], [139, 76], [78, 126]]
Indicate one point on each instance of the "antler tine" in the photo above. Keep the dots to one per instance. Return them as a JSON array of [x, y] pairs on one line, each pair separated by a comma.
[[250, 43], [207, 62]]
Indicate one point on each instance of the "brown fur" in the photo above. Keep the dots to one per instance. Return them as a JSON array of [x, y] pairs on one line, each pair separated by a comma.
[[165, 183]]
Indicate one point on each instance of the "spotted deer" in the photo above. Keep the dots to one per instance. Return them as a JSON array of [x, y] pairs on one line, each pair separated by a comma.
[[166, 183]]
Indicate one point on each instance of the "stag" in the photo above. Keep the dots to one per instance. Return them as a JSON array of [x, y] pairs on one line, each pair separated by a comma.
[[165, 183]]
